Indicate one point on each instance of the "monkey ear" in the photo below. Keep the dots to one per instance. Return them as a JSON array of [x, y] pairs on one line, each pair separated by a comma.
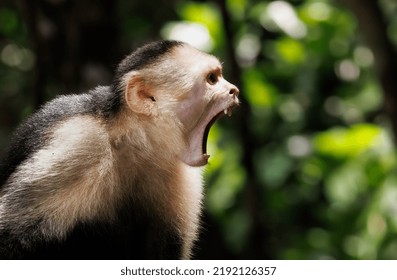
[[139, 98]]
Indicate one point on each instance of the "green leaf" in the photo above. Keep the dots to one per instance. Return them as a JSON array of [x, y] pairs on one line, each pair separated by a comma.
[[290, 50], [206, 14], [257, 90], [347, 142]]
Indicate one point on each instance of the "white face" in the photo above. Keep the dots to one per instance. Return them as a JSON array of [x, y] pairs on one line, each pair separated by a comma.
[[209, 97], [189, 84]]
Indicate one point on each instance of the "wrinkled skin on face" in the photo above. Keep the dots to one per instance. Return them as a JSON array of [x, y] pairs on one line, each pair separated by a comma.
[[210, 97]]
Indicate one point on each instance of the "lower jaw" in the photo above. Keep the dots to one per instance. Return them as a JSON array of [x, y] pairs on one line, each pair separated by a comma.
[[197, 161]]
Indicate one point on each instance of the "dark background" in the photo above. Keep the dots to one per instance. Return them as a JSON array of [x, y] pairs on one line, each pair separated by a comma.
[[305, 168]]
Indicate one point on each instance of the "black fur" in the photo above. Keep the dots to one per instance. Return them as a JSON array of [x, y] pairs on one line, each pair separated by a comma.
[[145, 56], [131, 236], [100, 239]]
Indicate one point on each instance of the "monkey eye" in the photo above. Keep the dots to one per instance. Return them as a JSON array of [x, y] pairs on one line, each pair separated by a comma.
[[212, 78]]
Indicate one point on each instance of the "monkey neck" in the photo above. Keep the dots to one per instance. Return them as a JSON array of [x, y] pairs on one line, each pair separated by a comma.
[[155, 139]]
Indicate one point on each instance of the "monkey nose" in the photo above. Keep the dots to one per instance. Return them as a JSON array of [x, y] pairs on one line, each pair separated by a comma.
[[234, 91]]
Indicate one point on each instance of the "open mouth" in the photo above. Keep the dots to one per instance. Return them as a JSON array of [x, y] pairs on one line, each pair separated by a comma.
[[206, 133], [204, 156], [227, 112], [196, 150]]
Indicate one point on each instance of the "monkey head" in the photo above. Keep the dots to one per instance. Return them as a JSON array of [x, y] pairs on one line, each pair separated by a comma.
[[210, 97], [182, 84]]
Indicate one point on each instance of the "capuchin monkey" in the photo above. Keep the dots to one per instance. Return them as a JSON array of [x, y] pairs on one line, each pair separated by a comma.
[[115, 173]]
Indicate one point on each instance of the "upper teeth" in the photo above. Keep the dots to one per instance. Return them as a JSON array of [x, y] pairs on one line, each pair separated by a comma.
[[228, 111]]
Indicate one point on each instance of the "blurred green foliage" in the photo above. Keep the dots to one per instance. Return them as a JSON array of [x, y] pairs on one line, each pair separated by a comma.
[[306, 169]]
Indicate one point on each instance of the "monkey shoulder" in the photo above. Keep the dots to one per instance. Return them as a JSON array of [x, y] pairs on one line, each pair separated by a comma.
[[36, 132], [70, 137], [72, 160]]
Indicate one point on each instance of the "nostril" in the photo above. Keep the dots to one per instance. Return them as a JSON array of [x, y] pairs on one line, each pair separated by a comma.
[[234, 91]]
